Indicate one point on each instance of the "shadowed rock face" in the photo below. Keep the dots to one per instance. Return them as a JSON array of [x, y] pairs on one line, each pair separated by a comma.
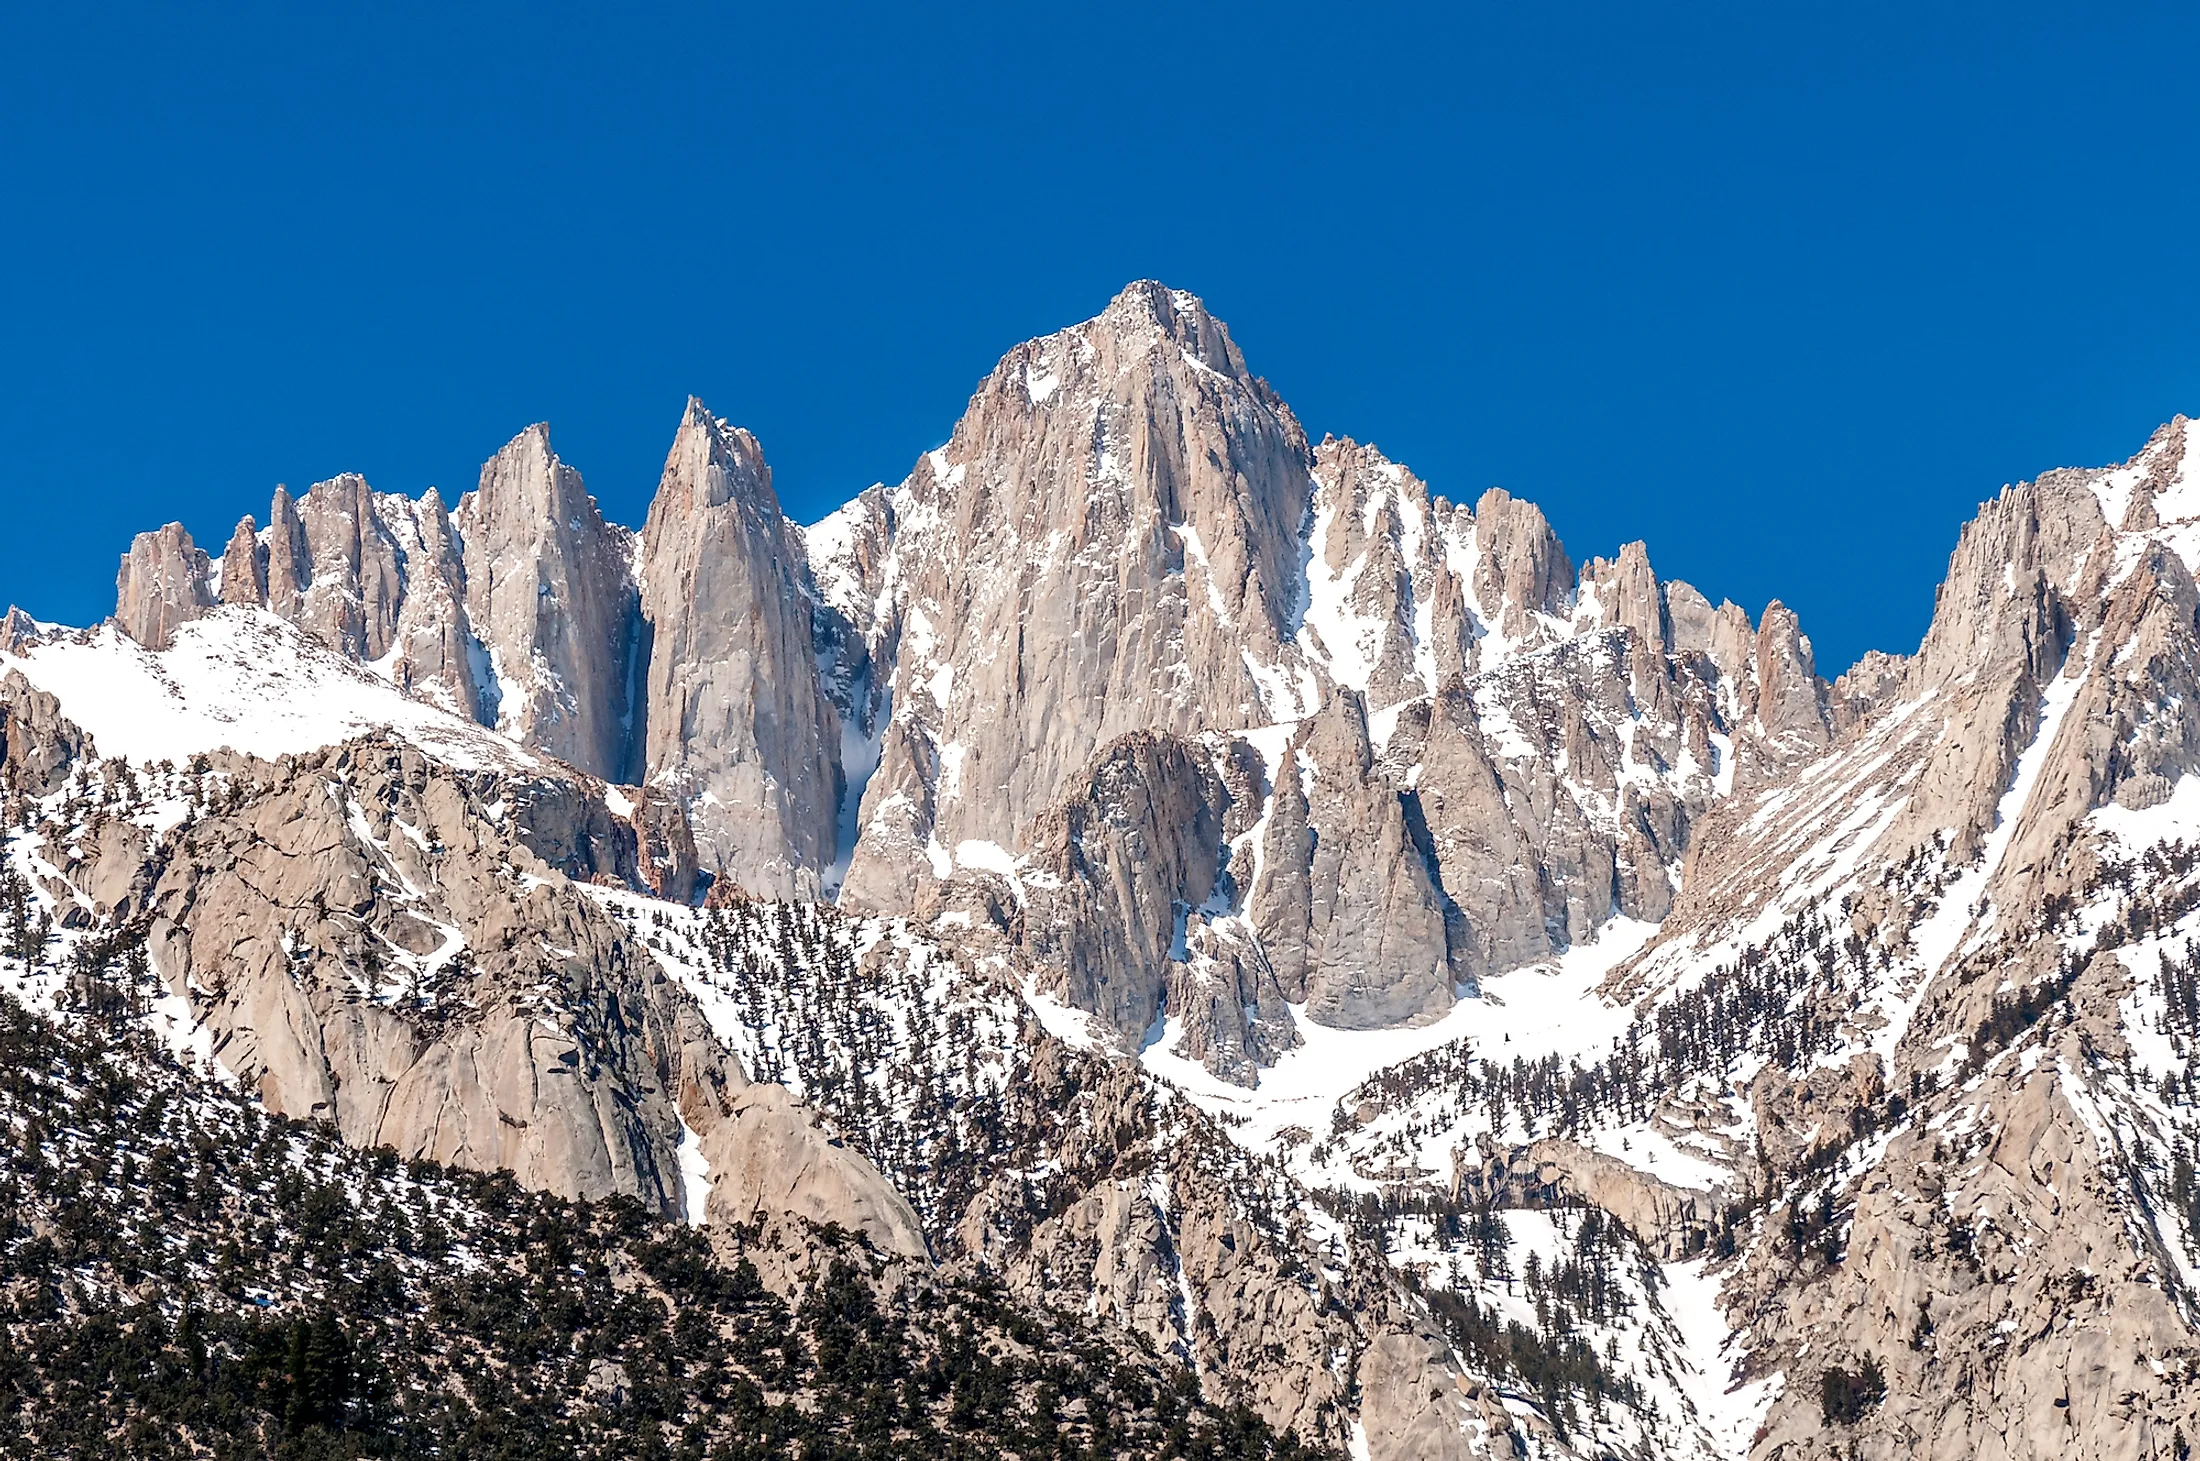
[[737, 721]]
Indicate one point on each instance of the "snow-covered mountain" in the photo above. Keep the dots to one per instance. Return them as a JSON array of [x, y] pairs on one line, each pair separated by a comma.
[[1446, 1000]]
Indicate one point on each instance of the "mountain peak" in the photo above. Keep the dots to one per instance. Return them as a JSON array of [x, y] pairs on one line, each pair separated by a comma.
[[713, 460], [1147, 306], [1154, 299]]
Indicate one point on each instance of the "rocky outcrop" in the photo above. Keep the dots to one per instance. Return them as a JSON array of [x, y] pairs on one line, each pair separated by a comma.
[[435, 653], [1719, 642], [1993, 1274], [1675, 1222], [737, 722], [1520, 570], [353, 581], [1110, 534], [1415, 1407], [104, 867], [1140, 704], [1233, 1015], [18, 631], [1138, 1230], [1105, 545], [1128, 533], [371, 575], [244, 567], [2051, 638], [1501, 908], [289, 557], [1359, 542], [664, 845], [369, 944], [1995, 1271], [848, 555], [370, 938], [1624, 592], [2131, 729], [1131, 1220], [1871, 684], [550, 596], [1794, 1117], [164, 582], [894, 858], [522, 614], [768, 1157], [38, 744], [1114, 872], [1347, 909], [1790, 702]]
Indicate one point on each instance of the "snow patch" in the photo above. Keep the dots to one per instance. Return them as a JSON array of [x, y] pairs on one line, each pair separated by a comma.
[[694, 1174], [242, 679], [1529, 1012], [1727, 1410]]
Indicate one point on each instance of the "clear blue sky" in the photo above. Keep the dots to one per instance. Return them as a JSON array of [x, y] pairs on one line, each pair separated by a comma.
[[1785, 293]]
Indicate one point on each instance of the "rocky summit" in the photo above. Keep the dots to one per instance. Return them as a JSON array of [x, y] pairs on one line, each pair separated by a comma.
[[1156, 935]]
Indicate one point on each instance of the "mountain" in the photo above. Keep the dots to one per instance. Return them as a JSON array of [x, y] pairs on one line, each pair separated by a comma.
[[1150, 885], [736, 718]]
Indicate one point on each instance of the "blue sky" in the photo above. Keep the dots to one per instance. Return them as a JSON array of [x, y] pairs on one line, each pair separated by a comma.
[[1785, 295]]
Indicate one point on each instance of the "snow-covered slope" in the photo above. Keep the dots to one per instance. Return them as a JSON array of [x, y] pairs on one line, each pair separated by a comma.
[[242, 680]]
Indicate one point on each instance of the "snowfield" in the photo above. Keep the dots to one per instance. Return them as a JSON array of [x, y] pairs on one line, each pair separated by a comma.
[[243, 680]]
